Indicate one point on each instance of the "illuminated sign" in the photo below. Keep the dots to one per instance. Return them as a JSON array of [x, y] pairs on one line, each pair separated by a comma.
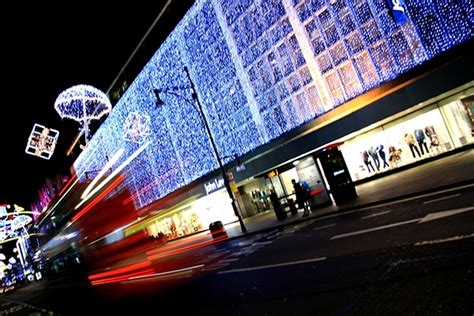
[[272, 173], [214, 185], [398, 11]]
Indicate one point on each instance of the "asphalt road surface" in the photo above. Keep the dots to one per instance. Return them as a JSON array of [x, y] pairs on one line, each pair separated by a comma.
[[410, 257]]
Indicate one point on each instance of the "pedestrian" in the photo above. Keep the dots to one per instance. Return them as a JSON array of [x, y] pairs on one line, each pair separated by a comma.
[[302, 197]]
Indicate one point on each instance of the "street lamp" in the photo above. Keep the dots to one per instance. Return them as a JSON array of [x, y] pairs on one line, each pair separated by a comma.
[[194, 95]]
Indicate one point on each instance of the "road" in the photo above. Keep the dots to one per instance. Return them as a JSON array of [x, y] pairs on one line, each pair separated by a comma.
[[412, 256]]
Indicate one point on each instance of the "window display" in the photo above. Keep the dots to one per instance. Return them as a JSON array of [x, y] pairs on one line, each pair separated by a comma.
[[425, 133], [459, 120], [195, 216]]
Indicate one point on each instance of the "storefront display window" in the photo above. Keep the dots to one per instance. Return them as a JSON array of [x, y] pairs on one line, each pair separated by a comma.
[[196, 216], [459, 119], [425, 133]]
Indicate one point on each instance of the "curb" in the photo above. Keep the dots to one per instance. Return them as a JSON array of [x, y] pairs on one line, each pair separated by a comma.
[[353, 208]]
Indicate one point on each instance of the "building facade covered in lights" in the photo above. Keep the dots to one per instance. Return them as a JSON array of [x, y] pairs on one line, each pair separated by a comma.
[[389, 81]]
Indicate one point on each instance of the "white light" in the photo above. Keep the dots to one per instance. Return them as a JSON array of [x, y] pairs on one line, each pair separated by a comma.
[[42, 141], [82, 102], [113, 174], [107, 166], [136, 127]]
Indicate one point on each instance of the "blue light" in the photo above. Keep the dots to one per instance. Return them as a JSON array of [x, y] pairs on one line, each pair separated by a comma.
[[256, 81]]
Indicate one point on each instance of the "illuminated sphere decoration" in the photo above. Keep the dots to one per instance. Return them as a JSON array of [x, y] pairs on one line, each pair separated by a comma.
[[136, 127]]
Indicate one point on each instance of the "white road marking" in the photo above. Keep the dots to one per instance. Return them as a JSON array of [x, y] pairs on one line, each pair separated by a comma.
[[442, 198], [269, 266], [427, 218], [364, 231], [323, 227], [438, 215], [376, 214], [362, 209], [438, 241]]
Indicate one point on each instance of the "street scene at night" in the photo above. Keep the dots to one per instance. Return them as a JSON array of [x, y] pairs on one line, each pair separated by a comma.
[[215, 157]]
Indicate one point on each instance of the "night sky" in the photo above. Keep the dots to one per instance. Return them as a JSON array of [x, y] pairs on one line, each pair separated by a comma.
[[47, 49]]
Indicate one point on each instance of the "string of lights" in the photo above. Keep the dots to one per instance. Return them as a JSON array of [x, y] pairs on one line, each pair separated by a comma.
[[357, 45]]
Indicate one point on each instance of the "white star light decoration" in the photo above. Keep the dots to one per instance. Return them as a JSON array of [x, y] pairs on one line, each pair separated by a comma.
[[42, 141], [136, 127]]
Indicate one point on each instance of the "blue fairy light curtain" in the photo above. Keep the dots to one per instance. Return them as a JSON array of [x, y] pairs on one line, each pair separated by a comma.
[[262, 68]]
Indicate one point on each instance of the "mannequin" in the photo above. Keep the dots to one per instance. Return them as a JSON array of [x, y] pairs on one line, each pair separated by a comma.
[[411, 143], [382, 155], [434, 141], [421, 139], [367, 162], [375, 157], [395, 156]]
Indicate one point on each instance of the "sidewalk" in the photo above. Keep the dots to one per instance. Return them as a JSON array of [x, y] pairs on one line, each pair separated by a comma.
[[434, 175]]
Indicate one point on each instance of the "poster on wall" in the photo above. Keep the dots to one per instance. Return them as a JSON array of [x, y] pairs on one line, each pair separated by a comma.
[[309, 173]]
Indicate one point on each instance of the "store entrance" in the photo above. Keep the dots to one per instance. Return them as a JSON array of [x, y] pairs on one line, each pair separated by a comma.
[[304, 171]]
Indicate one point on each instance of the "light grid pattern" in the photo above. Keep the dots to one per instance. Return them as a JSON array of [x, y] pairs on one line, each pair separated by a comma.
[[356, 46]]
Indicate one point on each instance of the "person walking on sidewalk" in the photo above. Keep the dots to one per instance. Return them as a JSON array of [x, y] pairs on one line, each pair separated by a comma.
[[302, 197]]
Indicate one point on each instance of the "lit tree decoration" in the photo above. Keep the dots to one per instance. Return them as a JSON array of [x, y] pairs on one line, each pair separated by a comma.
[[42, 141], [136, 127], [82, 103]]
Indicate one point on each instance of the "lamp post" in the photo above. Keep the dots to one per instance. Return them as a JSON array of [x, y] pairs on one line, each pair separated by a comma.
[[194, 95]]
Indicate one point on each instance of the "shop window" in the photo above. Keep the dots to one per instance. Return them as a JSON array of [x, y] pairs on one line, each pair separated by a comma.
[[459, 119], [414, 137]]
